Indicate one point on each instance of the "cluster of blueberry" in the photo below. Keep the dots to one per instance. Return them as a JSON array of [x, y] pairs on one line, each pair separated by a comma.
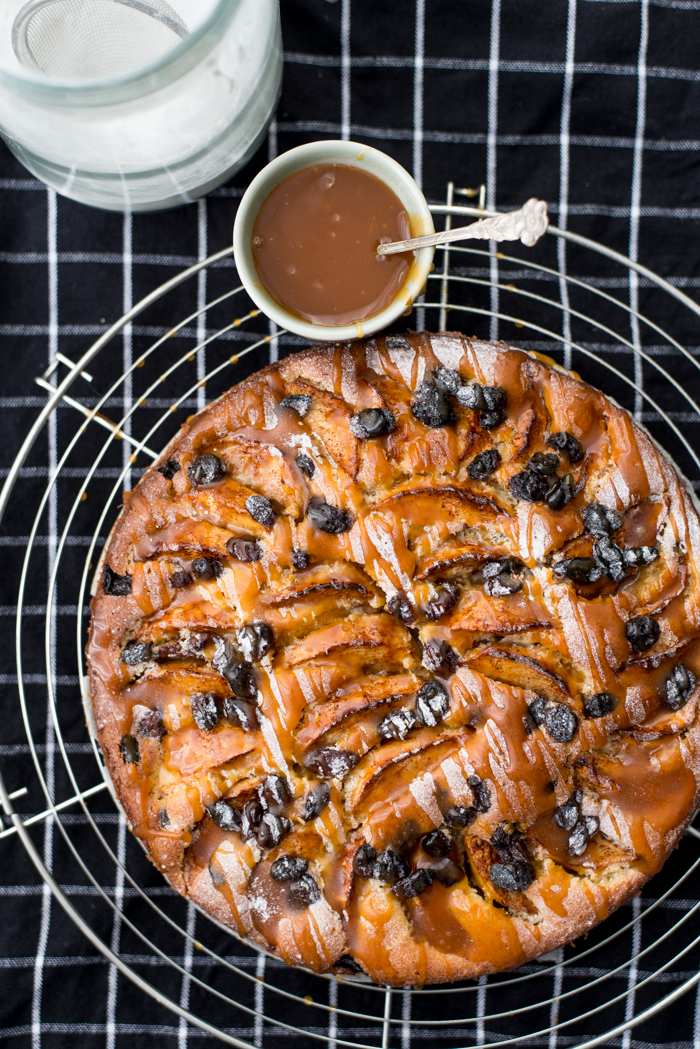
[[445, 598], [432, 707], [568, 816], [513, 872], [391, 868], [608, 559], [539, 482]]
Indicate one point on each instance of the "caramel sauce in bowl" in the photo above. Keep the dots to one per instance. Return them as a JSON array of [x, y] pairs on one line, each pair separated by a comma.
[[305, 240]]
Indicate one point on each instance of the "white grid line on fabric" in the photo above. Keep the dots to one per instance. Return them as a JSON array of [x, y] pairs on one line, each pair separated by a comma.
[[636, 201], [492, 153], [696, 1020], [183, 1028], [418, 61], [633, 969], [345, 68], [564, 176], [481, 65], [50, 752], [202, 252], [113, 973]]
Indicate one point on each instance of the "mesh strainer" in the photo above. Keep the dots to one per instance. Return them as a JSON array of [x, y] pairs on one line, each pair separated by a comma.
[[85, 39]]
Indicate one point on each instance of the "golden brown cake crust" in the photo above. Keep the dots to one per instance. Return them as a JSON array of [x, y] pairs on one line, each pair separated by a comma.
[[447, 639]]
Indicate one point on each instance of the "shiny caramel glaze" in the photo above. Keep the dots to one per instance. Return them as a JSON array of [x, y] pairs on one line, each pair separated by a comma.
[[341, 662]]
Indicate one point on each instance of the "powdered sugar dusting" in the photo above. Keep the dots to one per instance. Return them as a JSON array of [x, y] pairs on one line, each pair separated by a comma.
[[423, 790], [448, 350]]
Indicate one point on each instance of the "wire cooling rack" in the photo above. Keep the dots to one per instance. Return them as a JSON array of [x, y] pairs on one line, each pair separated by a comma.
[[119, 405]]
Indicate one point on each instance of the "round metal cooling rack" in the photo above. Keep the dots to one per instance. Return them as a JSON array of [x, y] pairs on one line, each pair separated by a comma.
[[629, 968]]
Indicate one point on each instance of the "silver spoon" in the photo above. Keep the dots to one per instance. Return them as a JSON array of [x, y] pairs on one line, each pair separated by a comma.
[[527, 224]]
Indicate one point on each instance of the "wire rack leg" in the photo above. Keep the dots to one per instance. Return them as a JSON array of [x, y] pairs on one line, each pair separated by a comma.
[[386, 1025]]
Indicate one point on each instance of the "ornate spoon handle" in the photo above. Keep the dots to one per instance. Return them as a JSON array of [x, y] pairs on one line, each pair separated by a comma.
[[527, 224]]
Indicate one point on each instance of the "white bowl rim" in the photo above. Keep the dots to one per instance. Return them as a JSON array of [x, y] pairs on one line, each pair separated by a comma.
[[332, 151]]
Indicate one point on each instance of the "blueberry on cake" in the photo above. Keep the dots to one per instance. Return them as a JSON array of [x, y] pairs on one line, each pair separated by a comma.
[[394, 658]]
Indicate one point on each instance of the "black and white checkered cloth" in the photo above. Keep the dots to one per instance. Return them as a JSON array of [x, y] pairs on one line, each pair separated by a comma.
[[593, 105]]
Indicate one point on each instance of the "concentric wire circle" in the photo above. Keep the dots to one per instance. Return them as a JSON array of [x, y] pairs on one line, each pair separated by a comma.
[[581, 996]]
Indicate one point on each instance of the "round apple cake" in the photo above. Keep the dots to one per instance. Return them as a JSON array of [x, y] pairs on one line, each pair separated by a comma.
[[393, 658]]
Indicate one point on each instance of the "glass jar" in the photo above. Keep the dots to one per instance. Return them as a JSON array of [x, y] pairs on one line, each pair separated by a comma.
[[157, 136]]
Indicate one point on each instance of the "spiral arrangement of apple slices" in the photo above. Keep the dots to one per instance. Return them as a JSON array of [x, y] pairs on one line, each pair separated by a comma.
[[393, 658]]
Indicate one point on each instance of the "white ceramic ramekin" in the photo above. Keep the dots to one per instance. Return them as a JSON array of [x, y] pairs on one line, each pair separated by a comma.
[[332, 152]]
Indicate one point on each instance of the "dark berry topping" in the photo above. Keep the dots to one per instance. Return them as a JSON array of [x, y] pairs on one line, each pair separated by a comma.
[[579, 569], [448, 380], [241, 678], [432, 703], [300, 559], [297, 402], [446, 871], [401, 607], [460, 816], [274, 794], [492, 419], [181, 580], [129, 750], [396, 342], [642, 632], [136, 652], [389, 867], [560, 492], [439, 657], [484, 464], [436, 843], [495, 397], [561, 722], [364, 860], [431, 406], [347, 962], [287, 868], [205, 470], [240, 713], [471, 395], [250, 819], [599, 705], [331, 763], [244, 549], [169, 469], [304, 891], [328, 518], [509, 845], [513, 877], [163, 818], [543, 463], [397, 725], [306, 464], [529, 486], [115, 585], [599, 520], [151, 725], [414, 884], [254, 641], [611, 558], [536, 710], [261, 510], [225, 816], [315, 802], [500, 577], [372, 422], [206, 568], [481, 792], [679, 687], [444, 601], [637, 556], [582, 833], [272, 829], [564, 442], [566, 815], [205, 710]]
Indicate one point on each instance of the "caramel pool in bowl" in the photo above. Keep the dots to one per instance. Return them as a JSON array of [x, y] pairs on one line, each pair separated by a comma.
[[315, 243], [306, 237]]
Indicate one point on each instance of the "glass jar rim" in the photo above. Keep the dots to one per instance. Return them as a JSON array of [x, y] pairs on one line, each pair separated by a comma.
[[126, 87]]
